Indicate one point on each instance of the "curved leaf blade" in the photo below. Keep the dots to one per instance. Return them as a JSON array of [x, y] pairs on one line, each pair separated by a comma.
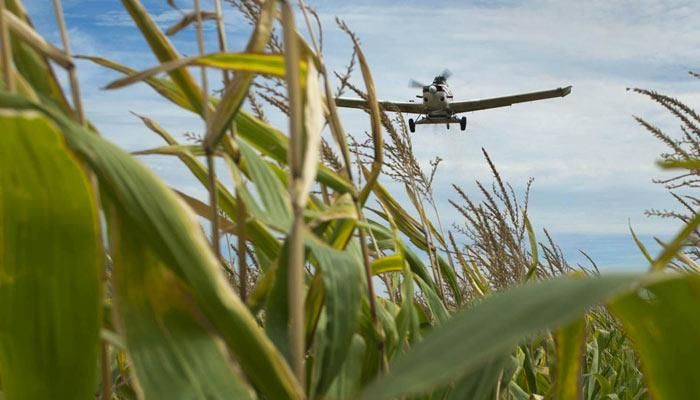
[[662, 322], [174, 354], [489, 329], [50, 265]]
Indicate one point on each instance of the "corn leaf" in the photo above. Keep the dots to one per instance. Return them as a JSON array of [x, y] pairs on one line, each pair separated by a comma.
[[490, 328], [164, 87], [347, 384], [266, 64], [174, 235], [163, 327], [50, 265], [33, 66], [277, 209], [164, 52], [661, 320], [343, 284], [390, 263], [570, 343], [482, 384], [437, 308], [235, 91], [274, 144]]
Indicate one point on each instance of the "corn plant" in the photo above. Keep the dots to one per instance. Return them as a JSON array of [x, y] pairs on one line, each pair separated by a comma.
[[110, 288]]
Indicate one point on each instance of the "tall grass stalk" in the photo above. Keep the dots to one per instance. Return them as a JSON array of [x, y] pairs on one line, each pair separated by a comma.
[[72, 76], [295, 154]]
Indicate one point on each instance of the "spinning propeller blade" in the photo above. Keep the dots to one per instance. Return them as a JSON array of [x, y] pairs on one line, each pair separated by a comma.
[[446, 73], [415, 84]]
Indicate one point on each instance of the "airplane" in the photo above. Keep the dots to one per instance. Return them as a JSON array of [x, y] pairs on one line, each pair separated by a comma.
[[437, 106]]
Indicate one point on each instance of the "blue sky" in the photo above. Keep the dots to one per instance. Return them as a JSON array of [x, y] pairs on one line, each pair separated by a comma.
[[591, 162]]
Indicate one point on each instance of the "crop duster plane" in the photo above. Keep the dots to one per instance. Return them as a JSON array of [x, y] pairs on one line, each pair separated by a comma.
[[436, 105]]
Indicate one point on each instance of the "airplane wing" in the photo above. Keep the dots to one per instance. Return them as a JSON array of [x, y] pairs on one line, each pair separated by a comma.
[[406, 108], [475, 105]]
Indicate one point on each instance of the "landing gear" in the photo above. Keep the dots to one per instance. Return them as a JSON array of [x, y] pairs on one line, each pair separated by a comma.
[[411, 125], [448, 126], [463, 123]]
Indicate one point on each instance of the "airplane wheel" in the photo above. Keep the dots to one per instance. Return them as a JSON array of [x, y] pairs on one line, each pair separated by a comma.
[[463, 123], [411, 125]]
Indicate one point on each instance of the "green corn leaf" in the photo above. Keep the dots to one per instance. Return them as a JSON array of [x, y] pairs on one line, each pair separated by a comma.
[[570, 343], [662, 322], [490, 328], [450, 276], [265, 244], [347, 384], [277, 209], [51, 262], [164, 51], [480, 385], [343, 285], [532, 270], [276, 304], [164, 87], [266, 64], [34, 67], [172, 232], [235, 91], [437, 308], [163, 327], [680, 164], [257, 133], [274, 144], [390, 263]]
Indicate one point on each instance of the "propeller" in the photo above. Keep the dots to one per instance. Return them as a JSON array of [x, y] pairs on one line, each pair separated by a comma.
[[446, 73], [415, 84]]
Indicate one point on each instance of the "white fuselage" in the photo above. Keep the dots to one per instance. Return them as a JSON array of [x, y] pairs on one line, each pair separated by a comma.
[[436, 99]]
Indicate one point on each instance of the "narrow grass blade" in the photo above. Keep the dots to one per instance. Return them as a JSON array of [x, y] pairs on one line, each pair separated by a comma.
[[670, 251], [51, 263], [189, 19], [203, 210], [534, 258], [164, 87], [680, 164], [641, 246], [266, 64]]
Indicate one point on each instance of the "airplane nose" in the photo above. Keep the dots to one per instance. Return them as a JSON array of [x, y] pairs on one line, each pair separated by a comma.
[[433, 89]]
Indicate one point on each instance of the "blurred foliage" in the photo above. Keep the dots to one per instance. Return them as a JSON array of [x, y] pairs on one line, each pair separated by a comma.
[[110, 287]]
